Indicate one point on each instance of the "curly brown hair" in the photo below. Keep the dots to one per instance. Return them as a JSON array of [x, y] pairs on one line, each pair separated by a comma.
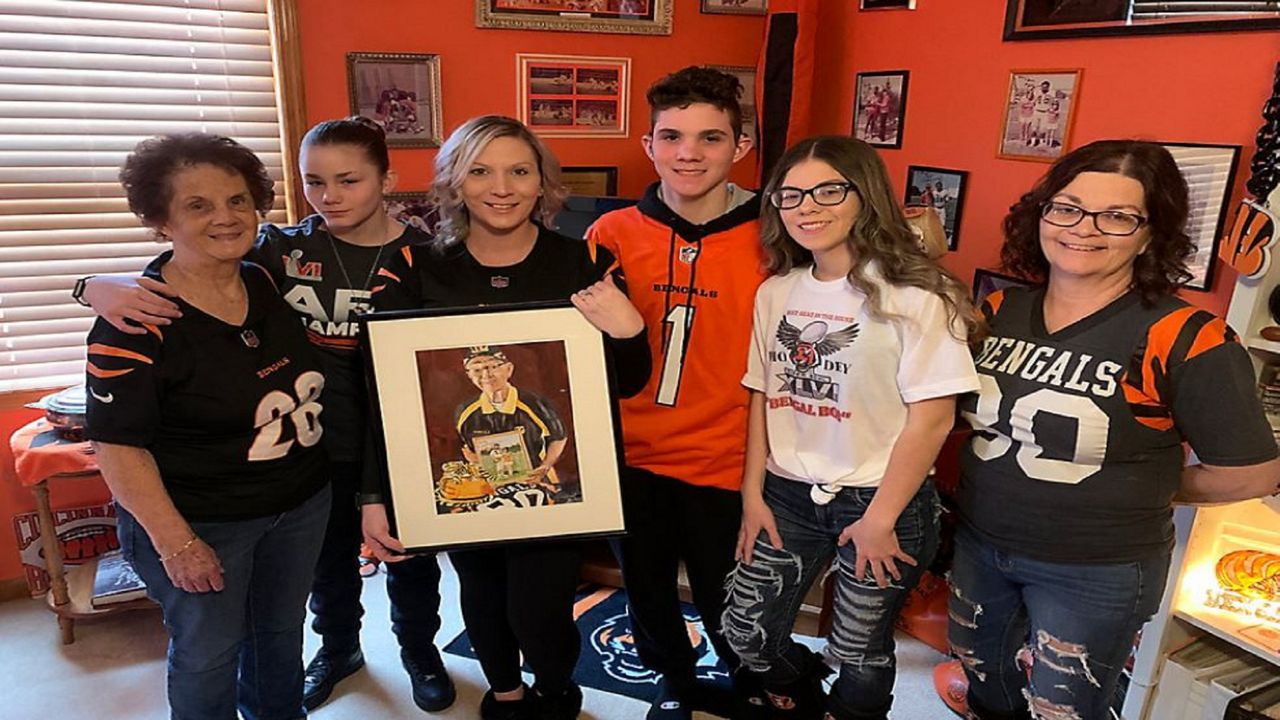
[[148, 171], [880, 233], [1162, 268], [694, 84]]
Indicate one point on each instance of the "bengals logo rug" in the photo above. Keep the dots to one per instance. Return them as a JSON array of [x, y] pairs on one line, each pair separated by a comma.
[[1247, 246], [614, 644]]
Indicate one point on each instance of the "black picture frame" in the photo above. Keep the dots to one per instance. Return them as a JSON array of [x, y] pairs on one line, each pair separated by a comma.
[[870, 123], [1021, 23], [1208, 216], [987, 281], [440, 497], [955, 184]]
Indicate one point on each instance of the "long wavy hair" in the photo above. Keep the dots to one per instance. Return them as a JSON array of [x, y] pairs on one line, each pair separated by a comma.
[[1160, 269], [880, 235], [457, 155]]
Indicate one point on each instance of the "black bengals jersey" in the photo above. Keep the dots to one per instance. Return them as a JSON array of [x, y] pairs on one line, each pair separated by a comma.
[[303, 261], [1077, 450], [231, 414]]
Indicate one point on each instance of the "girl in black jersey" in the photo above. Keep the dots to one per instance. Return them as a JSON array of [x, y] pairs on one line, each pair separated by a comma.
[[1090, 385], [324, 267], [497, 188]]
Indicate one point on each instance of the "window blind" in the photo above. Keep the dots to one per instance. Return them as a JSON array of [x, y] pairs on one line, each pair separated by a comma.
[[81, 82]]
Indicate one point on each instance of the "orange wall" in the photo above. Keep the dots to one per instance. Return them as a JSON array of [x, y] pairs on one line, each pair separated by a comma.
[[1176, 88], [478, 69]]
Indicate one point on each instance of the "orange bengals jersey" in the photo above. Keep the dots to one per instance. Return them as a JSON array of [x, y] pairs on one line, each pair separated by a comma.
[[694, 285]]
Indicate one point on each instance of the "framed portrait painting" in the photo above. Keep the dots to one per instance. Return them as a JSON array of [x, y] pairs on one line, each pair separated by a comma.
[[400, 92], [1040, 19], [637, 17], [942, 190], [887, 5], [494, 425], [1210, 172], [1039, 111], [880, 107], [591, 181], [735, 7], [574, 96]]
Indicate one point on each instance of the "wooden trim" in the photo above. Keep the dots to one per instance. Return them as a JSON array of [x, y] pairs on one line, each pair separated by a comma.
[[286, 55]]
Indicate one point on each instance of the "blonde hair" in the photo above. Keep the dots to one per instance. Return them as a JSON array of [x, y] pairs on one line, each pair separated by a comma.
[[457, 155], [880, 234]]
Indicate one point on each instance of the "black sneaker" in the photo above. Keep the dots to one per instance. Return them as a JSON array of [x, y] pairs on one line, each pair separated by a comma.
[[670, 704], [433, 691], [564, 705], [324, 671], [749, 699], [491, 708]]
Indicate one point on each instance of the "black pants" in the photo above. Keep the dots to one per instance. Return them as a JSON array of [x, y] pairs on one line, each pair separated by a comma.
[[412, 585], [669, 521], [519, 598]]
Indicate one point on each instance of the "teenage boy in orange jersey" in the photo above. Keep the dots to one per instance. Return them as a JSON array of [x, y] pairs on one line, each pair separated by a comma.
[[690, 252]]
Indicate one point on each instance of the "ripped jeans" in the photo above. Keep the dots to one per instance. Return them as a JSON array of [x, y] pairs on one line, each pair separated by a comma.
[[765, 596], [1072, 624]]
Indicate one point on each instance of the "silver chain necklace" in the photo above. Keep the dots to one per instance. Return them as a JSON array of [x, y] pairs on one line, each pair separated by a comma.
[[343, 266]]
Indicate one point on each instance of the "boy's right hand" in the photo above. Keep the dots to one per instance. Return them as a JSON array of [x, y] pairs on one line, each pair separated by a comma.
[[116, 298], [756, 517]]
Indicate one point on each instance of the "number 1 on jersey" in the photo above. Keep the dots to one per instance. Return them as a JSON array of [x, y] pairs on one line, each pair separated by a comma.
[[681, 320]]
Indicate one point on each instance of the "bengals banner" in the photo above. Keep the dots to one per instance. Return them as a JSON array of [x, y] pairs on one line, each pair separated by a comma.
[[784, 78]]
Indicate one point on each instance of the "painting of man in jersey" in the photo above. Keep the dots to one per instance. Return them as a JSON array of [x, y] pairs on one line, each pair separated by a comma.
[[499, 424]]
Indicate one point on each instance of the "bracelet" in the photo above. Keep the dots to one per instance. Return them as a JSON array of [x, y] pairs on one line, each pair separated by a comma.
[[180, 550]]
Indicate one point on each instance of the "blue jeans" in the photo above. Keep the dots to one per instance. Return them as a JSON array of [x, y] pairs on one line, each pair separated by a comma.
[[240, 647], [1072, 625], [765, 596]]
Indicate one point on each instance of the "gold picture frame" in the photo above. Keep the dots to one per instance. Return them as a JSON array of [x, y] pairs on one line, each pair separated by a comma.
[[401, 93], [631, 17], [574, 96], [590, 180], [1039, 114]]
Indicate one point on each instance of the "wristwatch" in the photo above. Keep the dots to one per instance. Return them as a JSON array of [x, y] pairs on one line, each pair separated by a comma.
[[77, 292]]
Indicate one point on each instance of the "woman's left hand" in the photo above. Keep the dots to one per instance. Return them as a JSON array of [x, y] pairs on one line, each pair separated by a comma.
[[877, 545], [609, 309]]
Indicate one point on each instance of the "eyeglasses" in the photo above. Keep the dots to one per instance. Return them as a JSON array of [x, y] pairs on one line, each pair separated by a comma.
[[1108, 222], [827, 194]]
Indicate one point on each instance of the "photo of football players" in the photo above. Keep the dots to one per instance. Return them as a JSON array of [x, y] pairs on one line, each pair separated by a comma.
[[1091, 383], [400, 92], [1038, 113], [574, 96], [513, 437], [940, 189]]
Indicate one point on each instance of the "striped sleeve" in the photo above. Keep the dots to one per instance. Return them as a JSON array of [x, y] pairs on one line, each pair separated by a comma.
[[122, 378]]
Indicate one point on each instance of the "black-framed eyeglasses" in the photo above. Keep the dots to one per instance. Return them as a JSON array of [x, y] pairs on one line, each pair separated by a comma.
[[1108, 222], [827, 193]]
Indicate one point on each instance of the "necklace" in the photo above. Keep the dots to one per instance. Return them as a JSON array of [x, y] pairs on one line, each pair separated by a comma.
[[343, 266]]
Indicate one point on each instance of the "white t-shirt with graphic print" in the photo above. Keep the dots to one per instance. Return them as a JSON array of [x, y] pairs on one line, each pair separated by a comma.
[[837, 381]]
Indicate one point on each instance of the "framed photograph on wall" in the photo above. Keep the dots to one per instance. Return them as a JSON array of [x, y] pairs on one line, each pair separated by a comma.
[[887, 5], [1039, 110], [986, 282], [494, 425], [1210, 171], [1039, 19], [412, 208], [942, 190], [635, 17], [747, 76], [400, 92], [591, 181], [574, 96], [880, 107], [735, 7]]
